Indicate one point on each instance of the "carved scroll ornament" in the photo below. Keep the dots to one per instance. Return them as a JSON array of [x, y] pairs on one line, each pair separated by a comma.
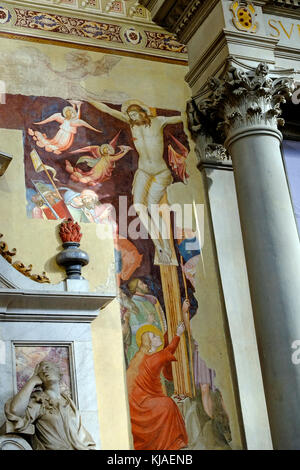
[[19, 266]]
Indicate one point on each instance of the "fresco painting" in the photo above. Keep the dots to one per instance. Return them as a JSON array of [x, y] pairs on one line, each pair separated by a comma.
[[80, 157]]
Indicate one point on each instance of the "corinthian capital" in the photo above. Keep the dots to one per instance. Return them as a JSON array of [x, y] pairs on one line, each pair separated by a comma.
[[244, 99]]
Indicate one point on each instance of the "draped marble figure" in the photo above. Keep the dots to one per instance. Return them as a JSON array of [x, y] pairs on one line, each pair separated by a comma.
[[47, 415]]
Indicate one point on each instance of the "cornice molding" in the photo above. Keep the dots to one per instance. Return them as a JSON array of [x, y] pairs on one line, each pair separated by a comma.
[[50, 306], [282, 12], [183, 17], [192, 20], [290, 4], [206, 59], [180, 17], [227, 37], [286, 52]]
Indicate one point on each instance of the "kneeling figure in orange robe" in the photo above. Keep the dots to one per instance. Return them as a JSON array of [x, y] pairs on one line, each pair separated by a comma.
[[156, 421]]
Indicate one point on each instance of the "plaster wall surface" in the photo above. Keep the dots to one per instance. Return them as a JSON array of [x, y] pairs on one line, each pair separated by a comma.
[[37, 241]]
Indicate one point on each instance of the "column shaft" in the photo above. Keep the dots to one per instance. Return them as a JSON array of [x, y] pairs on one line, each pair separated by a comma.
[[273, 262]]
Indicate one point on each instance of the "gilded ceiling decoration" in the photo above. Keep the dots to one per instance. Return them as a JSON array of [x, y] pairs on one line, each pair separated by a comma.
[[106, 24]]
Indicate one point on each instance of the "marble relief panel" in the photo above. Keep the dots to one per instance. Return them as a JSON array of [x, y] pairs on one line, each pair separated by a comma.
[[28, 356]]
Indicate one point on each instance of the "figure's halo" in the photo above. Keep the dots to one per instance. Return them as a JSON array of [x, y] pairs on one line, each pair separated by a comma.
[[70, 108], [111, 150], [128, 103], [149, 329]]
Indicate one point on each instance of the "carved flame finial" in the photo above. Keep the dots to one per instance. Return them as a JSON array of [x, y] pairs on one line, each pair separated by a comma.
[[69, 231]]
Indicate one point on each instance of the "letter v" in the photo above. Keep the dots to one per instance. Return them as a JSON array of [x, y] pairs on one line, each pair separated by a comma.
[[291, 31]]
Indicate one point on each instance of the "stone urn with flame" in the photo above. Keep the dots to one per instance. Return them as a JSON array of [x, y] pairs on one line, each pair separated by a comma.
[[71, 258]]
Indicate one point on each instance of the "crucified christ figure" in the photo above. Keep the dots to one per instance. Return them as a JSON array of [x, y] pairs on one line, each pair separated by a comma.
[[153, 175]]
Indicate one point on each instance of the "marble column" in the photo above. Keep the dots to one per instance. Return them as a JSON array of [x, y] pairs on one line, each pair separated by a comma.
[[244, 107]]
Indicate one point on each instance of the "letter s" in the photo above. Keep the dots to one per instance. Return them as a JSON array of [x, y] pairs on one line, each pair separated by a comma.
[[296, 354], [274, 27]]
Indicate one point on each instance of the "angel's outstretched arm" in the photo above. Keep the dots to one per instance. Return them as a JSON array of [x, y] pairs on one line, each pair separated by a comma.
[[125, 149], [80, 122], [94, 149], [113, 112], [79, 110], [55, 117]]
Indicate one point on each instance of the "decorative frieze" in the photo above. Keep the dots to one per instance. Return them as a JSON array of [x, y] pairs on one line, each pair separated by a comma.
[[98, 31], [67, 25], [164, 42]]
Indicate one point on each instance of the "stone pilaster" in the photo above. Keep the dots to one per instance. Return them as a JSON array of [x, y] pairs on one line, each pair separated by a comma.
[[209, 151]]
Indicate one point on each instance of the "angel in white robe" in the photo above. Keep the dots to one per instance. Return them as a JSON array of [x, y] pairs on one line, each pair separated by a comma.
[[69, 121]]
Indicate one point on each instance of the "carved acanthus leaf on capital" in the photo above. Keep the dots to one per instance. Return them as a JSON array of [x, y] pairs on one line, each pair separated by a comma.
[[216, 152], [209, 146], [244, 99]]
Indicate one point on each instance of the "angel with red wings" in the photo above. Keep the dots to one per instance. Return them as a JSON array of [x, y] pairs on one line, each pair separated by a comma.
[[177, 160], [69, 121], [102, 161]]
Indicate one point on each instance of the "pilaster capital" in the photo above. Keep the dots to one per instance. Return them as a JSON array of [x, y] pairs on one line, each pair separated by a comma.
[[243, 100], [209, 151]]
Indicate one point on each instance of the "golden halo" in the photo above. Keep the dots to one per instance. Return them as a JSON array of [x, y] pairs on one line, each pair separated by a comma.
[[110, 148], [149, 329], [70, 108], [128, 103]]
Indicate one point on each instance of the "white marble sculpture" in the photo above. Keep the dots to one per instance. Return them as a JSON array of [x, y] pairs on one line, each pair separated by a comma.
[[48, 416]]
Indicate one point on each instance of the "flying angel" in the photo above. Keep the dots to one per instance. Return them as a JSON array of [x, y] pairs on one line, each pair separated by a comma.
[[70, 121], [102, 161]]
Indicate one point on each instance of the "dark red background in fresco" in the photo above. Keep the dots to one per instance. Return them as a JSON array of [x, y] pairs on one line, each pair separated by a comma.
[[20, 112]]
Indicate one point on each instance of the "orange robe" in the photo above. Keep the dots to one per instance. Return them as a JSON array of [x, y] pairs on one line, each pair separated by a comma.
[[156, 421]]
